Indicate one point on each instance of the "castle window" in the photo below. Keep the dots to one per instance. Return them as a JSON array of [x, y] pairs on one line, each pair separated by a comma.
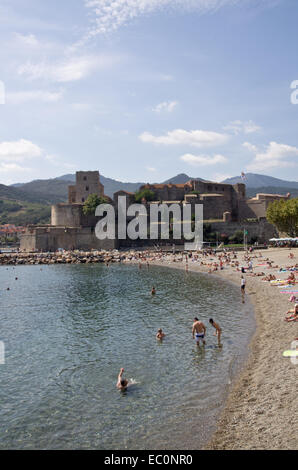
[[209, 188], [87, 188], [83, 199], [85, 178]]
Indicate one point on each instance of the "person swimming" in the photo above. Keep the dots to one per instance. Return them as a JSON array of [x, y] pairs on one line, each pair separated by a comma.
[[153, 291], [122, 383]]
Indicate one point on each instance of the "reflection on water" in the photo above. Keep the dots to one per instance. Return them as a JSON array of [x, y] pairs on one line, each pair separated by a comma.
[[69, 329]]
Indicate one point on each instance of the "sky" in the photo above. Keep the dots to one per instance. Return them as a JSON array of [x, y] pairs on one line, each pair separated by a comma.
[[142, 90]]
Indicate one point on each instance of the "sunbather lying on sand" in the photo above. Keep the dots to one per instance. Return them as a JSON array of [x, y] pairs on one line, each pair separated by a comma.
[[293, 317], [269, 277]]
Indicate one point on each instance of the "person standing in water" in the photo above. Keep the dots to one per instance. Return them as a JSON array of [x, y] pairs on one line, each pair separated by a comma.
[[218, 330], [153, 291], [198, 331], [243, 283], [160, 334]]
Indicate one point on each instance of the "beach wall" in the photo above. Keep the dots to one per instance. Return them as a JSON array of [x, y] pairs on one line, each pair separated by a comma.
[[260, 230], [50, 238]]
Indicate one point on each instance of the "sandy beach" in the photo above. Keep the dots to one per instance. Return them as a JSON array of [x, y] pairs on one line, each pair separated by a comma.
[[261, 411]]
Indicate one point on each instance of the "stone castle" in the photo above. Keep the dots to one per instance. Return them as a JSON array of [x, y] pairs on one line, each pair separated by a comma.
[[225, 206]]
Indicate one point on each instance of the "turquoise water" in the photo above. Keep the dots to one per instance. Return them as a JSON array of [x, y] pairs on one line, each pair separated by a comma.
[[67, 331]]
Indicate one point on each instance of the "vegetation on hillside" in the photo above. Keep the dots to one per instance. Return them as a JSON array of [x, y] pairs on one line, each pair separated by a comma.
[[23, 213]]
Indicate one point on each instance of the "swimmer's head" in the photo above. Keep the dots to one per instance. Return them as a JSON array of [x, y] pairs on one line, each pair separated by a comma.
[[196, 319], [123, 383], [159, 330], [211, 321]]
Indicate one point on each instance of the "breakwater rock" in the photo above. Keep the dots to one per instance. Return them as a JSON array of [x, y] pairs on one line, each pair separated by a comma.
[[69, 257]]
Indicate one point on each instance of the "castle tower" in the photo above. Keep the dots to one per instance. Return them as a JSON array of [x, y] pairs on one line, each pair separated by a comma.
[[87, 182]]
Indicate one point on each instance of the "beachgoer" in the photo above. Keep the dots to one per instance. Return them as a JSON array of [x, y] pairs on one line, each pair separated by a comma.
[[153, 291], [293, 317], [217, 328], [198, 331], [122, 384], [160, 334], [243, 283]]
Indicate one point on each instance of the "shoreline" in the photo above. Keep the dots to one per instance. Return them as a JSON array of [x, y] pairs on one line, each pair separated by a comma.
[[260, 411]]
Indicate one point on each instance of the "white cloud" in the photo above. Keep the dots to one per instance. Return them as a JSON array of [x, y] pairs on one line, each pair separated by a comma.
[[219, 177], [238, 127], [21, 97], [195, 138], [112, 14], [12, 167], [151, 169], [203, 160], [275, 156], [68, 70], [250, 147], [19, 151], [27, 39], [167, 106]]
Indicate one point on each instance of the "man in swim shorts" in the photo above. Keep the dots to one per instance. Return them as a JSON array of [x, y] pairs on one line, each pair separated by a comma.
[[198, 331]]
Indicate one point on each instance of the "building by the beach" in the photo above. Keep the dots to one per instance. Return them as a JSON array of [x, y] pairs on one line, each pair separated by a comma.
[[225, 207]]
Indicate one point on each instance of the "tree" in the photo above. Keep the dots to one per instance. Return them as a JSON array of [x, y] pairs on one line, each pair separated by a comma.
[[284, 215], [146, 194], [91, 204], [237, 237]]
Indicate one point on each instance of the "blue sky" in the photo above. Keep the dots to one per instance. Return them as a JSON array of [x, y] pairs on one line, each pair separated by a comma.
[[143, 90]]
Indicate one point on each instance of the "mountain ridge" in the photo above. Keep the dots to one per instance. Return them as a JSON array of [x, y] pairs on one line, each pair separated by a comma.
[[56, 189]]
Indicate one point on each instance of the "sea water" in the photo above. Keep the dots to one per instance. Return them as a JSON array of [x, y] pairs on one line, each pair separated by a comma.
[[68, 329]]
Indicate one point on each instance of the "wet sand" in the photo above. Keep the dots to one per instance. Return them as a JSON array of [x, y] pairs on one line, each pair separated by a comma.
[[262, 410]]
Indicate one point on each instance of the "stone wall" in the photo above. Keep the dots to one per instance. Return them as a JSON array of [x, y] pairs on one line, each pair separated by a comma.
[[49, 238], [261, 230], [71, 215]]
